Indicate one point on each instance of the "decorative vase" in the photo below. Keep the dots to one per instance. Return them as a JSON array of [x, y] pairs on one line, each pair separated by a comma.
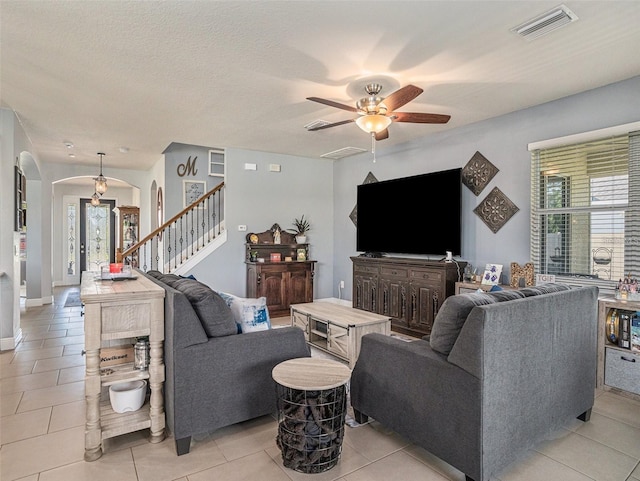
[[301, 239], [612, 326]]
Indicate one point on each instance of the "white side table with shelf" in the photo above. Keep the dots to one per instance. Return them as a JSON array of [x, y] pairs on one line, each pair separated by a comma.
[[618, 368], [120, 310]]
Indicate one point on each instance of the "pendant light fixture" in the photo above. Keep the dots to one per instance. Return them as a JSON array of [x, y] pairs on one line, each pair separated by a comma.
[[101, 180], [95, 199]]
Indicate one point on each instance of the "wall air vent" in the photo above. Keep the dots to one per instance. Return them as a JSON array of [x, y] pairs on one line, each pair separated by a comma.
[[316, 123], [342, 153], [545, 23]]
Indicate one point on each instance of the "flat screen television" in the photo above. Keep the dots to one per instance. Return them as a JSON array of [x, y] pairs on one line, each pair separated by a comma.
[[420, 214]]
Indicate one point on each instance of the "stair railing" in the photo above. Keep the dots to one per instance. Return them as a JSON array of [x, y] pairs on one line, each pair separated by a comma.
[[181, 237]]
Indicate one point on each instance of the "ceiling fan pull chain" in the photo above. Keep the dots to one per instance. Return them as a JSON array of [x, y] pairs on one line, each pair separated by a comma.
[[373, 146]]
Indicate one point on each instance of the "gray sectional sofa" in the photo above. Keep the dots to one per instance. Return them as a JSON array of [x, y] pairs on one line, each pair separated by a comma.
[[215, 376], [498, 374]]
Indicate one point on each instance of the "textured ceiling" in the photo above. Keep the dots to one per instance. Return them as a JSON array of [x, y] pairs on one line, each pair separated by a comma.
[[143, 74]]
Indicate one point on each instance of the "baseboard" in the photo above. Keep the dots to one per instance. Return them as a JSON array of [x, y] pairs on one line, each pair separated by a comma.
[[38, 302], [33, 303], [10, 343]]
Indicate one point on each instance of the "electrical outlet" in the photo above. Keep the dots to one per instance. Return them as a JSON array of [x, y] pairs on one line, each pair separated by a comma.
[[341, 284]]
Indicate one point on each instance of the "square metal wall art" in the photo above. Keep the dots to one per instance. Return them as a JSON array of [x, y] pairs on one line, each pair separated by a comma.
[[478, 173], [496, 209], [369, 179]]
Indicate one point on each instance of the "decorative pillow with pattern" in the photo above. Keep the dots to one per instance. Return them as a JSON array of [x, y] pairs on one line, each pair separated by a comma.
[[250, 314]]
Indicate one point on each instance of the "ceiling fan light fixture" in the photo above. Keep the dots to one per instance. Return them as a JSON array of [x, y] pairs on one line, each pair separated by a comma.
[[373, 123]]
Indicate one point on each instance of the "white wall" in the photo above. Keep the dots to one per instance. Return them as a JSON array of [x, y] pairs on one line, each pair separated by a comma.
[[10, 279], [15, 147], [503, 141]]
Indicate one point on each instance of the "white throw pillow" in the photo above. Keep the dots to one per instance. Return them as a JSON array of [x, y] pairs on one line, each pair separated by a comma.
[[250, 314]]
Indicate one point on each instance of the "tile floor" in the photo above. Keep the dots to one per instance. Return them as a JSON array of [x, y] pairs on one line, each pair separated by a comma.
[[42, 433]]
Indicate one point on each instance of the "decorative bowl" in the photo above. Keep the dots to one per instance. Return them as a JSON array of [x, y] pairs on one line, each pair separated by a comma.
[[127, 396]]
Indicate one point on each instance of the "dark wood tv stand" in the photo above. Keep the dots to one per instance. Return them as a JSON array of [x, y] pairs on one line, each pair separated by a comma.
[[410, 291]]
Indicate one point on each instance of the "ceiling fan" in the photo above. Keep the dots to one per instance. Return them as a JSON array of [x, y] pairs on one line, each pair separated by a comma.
[[377, 113]]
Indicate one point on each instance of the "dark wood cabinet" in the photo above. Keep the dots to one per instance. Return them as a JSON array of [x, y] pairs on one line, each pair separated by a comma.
[[282, 283], [410, 291], [280, 272]]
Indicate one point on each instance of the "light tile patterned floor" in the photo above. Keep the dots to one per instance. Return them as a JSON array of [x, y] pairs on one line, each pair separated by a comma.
[[42, 432]]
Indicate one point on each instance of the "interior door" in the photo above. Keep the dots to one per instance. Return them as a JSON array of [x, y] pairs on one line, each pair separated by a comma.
[[97, 234]]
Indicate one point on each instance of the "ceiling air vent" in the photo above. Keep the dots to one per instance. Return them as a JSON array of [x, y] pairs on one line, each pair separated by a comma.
[[545, 23], [342, 153], [316, 123]]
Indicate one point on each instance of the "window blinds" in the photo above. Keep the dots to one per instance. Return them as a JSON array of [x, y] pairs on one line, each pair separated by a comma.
[[585, 209]]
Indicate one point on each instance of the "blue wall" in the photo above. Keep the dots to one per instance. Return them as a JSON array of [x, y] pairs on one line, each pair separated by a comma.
[[503, 141], [260, 198]]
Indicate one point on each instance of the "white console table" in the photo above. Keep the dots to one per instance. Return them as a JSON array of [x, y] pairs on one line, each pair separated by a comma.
[[114, 310]]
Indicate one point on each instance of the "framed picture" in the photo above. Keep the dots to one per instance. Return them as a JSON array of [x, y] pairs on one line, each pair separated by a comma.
[[492, 274], [193, 190]]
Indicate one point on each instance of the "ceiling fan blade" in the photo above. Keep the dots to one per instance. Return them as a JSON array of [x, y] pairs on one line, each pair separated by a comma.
[[419, 118], [401, 96], [382, 135], [335, 124], [331, 103]]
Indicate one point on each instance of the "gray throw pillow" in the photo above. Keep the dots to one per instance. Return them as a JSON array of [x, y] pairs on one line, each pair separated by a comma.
[[216, 317], [506, 295], [543, 289], [169, 279], [451, 317]]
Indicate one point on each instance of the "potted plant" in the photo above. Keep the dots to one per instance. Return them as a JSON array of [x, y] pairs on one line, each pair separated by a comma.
[[302, 226]]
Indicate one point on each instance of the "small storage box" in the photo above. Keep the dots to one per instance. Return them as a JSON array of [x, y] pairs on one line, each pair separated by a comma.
[[112, 356], [622, 370]]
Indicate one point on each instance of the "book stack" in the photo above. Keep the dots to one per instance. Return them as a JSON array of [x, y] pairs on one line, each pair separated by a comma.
[[635, 332], [623, 329]]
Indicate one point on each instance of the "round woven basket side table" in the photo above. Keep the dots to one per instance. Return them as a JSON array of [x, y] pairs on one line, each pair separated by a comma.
[[312, 404]]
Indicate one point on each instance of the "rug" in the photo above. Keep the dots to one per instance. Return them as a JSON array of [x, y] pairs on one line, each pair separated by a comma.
[[73, 299]]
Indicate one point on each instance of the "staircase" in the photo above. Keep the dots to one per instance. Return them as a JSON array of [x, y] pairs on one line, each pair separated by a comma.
[[181, 242]]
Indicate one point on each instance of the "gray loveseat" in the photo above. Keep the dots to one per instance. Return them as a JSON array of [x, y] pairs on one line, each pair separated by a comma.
[[499, 373], [214, 376]]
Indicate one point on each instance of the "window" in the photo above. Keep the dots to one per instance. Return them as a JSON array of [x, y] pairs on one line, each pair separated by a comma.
[[216, 163], [585, 210], [71, 239]]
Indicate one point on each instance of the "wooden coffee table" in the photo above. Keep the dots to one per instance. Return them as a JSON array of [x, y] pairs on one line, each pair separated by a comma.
[[336, 328]]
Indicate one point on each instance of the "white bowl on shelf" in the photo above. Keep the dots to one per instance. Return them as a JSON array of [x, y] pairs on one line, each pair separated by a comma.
[[127, 396]]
